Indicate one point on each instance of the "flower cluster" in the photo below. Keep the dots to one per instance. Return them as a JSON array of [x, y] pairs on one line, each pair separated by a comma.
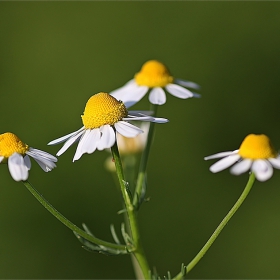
[[106, 116]]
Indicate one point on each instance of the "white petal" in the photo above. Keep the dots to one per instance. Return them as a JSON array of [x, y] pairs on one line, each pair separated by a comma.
[[31, 151], [17, 167], [108, 138], [1, 158], [65, 138], [120, 92], [241, 167], [262, 169], [275, 162], [46, 165], [45, 160], [157, 96], [70, 142], [222, 154], [140, 113], [126, 129], [187, 84], [88, 143], [27, 162], [147, 119], [130, 93], [179, 91], [224, 163]]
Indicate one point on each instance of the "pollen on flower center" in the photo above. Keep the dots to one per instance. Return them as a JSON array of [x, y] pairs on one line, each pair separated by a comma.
[[102, 109], [153, 74], [10, 143], [257, 147]]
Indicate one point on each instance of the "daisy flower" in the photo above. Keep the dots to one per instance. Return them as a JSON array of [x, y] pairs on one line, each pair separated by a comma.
[[16, 153], [103, 116], [154, 76], [256, 153]]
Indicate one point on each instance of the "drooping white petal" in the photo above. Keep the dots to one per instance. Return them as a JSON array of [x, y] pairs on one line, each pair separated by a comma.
[[17, 167], [275, 162], [65, 138], [88, 143], [224, 163], [1, 158], [241, 167], [44, 159], [127, 129], [130, 93], [70, 142], [222, 154], [262, 169], [187, 84], [157, 96], [108, 138], [27, 162], [179, 91], [31, 151], [45, 164]]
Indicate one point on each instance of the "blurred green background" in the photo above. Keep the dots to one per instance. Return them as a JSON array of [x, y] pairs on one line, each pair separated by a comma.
[[55, 55]]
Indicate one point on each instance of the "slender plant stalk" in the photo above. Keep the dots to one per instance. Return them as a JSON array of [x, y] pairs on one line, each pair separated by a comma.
[[69, 224], [218, 230], [144, 160], [131, 213]]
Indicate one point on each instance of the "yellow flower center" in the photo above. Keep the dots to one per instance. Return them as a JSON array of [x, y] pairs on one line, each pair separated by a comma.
[[153, 74], [257, 147], [101, 109], [10, 143]]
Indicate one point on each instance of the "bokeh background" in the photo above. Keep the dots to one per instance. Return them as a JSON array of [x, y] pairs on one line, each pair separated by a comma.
[[55, 55]]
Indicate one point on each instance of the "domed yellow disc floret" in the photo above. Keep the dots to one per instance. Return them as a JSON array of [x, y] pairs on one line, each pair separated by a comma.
[[101, 109], [257, 147], [10, 143], [153, 74]]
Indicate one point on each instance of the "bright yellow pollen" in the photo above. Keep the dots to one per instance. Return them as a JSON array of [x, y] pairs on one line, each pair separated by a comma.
[[153, 74], [101, 109], [10, 143], [257, 147]]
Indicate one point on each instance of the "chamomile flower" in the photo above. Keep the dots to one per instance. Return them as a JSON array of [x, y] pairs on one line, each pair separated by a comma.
[[16, 153], [103, 116], [154, 76], [256, 153]]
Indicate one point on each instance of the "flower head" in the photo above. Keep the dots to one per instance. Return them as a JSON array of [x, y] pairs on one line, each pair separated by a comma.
[[256, 153], [154, 76], [16, 153], [103, 116]]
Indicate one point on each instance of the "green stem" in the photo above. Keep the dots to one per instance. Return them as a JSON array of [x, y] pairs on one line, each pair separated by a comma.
[[138, 251], [69, 224], [218, 230], [144, 160]]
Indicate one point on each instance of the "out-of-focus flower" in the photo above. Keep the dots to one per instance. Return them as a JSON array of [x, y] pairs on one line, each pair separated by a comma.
[[154, 76]]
